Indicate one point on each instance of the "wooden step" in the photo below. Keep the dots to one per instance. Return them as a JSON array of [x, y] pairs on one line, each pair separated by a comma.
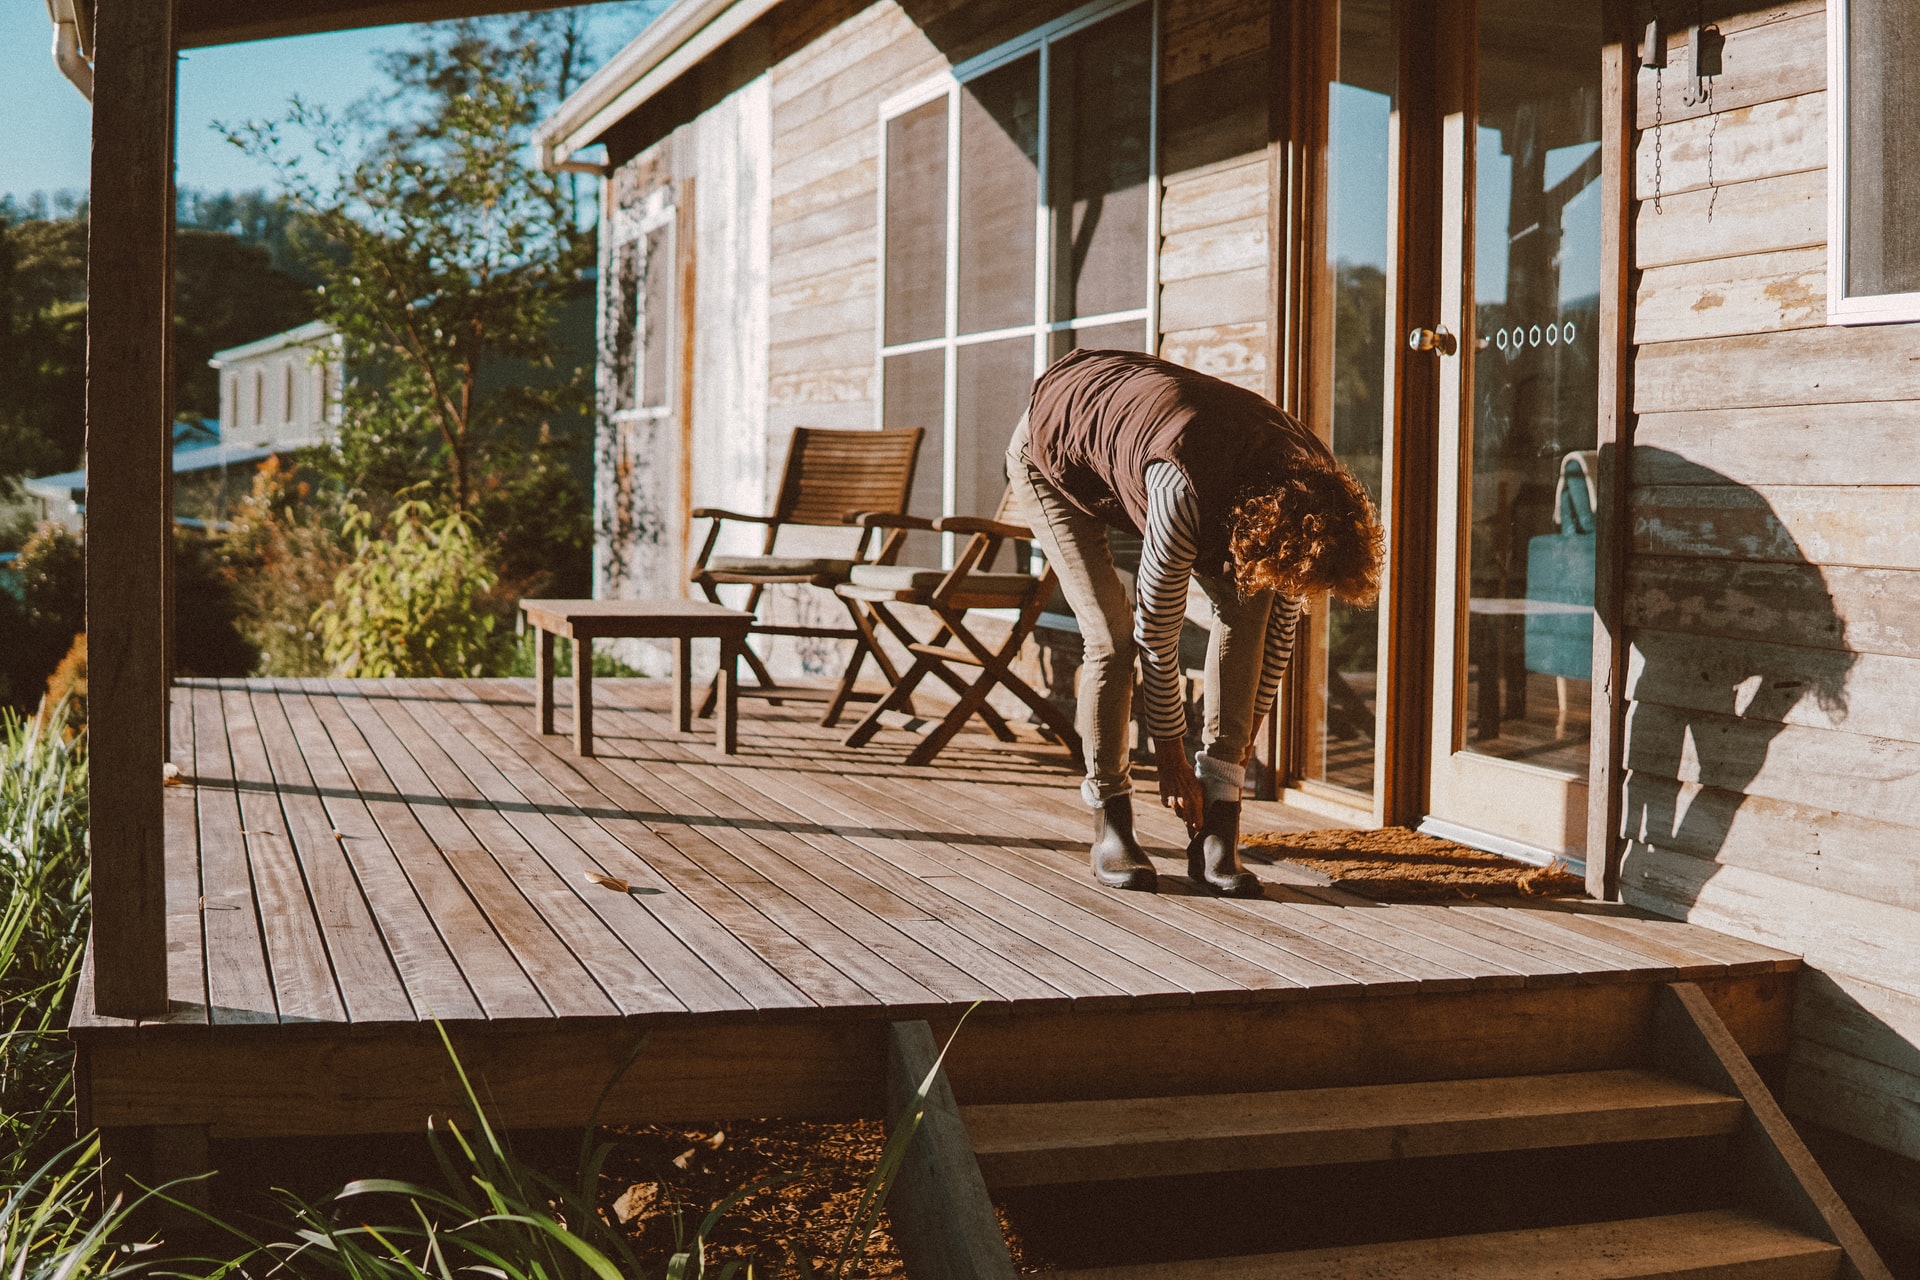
[[1040, 1144], [1718, 1245]]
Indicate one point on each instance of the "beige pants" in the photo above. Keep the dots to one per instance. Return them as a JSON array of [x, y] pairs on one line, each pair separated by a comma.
[[1075, 544]]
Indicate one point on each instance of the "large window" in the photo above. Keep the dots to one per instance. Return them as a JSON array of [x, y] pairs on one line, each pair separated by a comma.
[[1017, 224], [1874, 185]]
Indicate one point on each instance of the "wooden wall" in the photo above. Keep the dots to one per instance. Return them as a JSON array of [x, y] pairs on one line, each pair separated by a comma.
[[1215, 210], [827, 66], [1773, 580]]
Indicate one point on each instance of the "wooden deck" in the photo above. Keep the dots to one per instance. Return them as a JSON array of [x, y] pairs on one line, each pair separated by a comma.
[[349, 862]]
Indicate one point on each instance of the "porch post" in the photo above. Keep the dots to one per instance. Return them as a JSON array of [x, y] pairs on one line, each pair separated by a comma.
[[1619, 72], [129, 409]]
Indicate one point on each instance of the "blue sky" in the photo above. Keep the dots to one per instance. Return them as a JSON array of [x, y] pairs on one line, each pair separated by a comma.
[[44, 146]]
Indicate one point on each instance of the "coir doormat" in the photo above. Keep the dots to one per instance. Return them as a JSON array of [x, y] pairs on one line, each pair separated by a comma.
[[1395, 864]]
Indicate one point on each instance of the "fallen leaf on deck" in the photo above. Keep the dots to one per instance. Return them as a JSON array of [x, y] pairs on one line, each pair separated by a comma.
[[614, 883], [635, 1200]]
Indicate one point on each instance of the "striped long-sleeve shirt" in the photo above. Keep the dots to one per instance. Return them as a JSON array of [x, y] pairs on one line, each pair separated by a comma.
[[1166, 568]]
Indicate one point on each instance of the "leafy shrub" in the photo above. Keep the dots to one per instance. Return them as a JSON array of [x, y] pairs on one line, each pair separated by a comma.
[[279, 559], [410, 603], [51, 609]]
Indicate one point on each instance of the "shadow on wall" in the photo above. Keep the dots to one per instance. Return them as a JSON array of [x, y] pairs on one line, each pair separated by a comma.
[[1734, 636]]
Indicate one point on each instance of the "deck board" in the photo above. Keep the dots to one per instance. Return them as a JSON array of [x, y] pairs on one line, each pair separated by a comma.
[[237, 985], [186, 949], [304, 986], [566, 986], [500, 986], [795, 894], [314, 780]]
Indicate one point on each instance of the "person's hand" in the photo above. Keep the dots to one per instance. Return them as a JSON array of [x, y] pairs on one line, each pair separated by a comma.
[[1179, 788], [1253, 739]]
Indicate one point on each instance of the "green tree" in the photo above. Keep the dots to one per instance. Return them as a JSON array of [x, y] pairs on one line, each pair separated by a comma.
[[452, 257], [226, 291]]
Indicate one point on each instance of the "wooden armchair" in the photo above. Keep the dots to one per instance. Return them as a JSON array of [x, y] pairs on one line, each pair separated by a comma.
[[951, 594], [829, 478]]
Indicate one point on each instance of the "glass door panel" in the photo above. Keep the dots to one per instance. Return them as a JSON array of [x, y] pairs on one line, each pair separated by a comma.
[[1342, 648], [1518, 430]]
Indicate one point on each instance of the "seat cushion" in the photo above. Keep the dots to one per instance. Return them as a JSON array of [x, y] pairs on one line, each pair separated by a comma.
[[781, 566], [906, 577]]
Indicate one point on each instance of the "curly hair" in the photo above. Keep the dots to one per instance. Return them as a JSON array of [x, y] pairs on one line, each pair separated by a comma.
[[1318, 531]]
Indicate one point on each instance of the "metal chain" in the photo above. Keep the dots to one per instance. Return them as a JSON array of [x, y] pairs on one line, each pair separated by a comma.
[[1657, 71], [1713, 127]]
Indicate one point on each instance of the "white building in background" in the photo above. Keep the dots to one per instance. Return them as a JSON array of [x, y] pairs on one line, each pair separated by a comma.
[[282, 391], [278, 394]]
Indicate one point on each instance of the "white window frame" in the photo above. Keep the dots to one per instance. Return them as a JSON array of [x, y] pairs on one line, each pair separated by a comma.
[[947, 85], [633, 227], [1842, 308]]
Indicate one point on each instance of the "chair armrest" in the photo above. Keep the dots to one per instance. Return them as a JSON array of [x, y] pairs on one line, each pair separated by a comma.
[[716, 513], [976, 524], [888, 520]]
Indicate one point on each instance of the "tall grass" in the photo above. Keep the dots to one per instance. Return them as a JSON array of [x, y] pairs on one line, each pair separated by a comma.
[[491, 1213], [43, 921], [51, 1226]]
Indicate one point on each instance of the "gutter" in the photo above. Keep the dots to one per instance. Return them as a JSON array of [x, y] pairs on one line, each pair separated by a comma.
[[72, 38], [673, 44]]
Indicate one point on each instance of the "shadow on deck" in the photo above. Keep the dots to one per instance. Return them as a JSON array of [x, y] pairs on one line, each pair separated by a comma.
[[349, 862]]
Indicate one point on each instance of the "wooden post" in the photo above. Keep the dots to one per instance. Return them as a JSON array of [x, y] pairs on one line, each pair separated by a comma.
[[129, 409], [1619, 69], [943, 1219]]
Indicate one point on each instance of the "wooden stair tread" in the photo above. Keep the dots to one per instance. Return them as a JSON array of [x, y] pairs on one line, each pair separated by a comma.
[[1715, 1245], [1032, 1144]]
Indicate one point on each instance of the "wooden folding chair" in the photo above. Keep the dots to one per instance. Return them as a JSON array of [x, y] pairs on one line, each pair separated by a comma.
[[829, 478], [952, 594]]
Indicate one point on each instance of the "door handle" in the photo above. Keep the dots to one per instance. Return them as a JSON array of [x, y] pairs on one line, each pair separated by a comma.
[[1437, 339]]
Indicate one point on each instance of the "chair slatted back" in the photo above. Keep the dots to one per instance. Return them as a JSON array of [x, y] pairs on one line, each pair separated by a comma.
[[830, 474]]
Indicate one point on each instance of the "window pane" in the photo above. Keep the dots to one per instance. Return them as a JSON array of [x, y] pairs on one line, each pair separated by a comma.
[[917, 223], [913, 395], [1883, 147], [656, 316], [995, 380], [1102, 84], [1126, 335], [999, 195], [620, 325]]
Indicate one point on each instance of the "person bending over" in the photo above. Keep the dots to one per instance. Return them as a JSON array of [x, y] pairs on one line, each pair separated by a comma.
[[1223, 487]]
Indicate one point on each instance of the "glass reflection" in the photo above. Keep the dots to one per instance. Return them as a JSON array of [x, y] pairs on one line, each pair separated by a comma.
[[1536, 283], [1343, 649]]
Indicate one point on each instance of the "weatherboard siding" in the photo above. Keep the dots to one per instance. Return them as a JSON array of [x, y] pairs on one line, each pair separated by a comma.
[[1772, 740]]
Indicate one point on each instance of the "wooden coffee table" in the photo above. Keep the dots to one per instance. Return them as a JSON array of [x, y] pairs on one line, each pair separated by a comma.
[[682, 621]]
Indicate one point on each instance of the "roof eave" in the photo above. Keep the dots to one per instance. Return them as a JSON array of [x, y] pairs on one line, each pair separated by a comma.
[[673, 44]]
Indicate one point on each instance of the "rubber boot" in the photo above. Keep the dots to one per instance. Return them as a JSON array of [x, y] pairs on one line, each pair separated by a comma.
[[1118, 860], [1213, 856]]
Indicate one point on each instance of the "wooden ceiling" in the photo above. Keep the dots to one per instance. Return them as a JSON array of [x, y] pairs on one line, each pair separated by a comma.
[[205, 22]]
